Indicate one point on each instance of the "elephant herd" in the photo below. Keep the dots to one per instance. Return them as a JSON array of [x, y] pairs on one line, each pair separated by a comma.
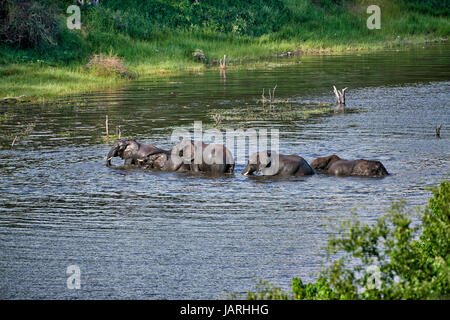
[[195, 156]]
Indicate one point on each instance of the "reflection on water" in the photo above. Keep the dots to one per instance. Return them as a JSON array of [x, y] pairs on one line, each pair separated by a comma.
[[149, 235]]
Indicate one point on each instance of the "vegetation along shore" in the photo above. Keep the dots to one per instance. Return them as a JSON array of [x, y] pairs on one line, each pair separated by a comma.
[[41, 59]]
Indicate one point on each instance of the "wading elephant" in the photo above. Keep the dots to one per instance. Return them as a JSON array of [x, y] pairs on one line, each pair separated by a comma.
[[145, 156], [201, 157], [132, 152], [339, 167], [185, 156], [271, 163]]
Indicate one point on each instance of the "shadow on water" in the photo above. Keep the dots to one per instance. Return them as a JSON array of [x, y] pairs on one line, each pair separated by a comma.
[[150, 235]]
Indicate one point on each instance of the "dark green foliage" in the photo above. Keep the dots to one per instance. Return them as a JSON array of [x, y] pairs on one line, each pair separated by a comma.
[[36, 29], [28, 24], [434, 7], [140, 19]]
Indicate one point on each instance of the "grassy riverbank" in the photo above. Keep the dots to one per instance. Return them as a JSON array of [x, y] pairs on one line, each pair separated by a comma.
[[153, 38]]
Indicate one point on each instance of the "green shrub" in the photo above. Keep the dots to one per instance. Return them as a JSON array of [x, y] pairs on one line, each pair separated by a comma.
[[410, 261], [433, 7], [140, 18], [28, 24]]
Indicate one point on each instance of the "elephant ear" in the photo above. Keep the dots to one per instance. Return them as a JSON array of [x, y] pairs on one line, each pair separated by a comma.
[[254, 159], [129, 147], [270, 163], [331, 159], [189, 150], [265, 159], [183, 152]]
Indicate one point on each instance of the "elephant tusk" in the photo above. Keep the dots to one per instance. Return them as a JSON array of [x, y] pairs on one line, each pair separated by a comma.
[[109, 159]]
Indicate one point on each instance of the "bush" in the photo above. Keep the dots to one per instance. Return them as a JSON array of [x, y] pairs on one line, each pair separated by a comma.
[[107, 66], [433, 7], [28, 24], [140, 19], [392, 259]]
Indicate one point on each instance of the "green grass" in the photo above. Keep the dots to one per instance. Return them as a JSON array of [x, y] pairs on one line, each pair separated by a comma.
[[42, 83], [156, 38]]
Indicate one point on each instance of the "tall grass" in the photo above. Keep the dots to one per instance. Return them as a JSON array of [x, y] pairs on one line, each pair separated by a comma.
[[43, 83]]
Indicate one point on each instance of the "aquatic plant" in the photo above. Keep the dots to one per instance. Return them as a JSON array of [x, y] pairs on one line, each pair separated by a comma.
[[279, 110]]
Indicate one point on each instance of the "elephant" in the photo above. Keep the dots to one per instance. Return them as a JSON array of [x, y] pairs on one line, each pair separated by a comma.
[[271, 163], [201, 157], [132, 152], [185, 156], [334, 165], [145, 156]]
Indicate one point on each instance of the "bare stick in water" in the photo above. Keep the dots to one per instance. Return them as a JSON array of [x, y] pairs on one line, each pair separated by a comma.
[[217, 118], [223, 62], [107, 127], [438, 130], [14, 141], [119, 132]]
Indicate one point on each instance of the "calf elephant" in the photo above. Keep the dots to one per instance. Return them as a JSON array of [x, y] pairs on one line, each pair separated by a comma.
[[145, 156], [274, 164], [334, 165], [132, 151]]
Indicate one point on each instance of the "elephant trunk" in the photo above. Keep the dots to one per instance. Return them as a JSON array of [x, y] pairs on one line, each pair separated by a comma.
[[248, 170], [111, 154]]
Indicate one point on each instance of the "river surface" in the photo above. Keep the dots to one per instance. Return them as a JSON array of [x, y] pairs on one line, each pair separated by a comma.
[[143, 235]]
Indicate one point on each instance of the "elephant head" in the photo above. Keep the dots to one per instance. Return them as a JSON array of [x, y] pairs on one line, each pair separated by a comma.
[[265, 161], [132, 152], [122, 148]]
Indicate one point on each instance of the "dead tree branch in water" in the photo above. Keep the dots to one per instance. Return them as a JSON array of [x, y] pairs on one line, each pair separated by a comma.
[[438, 130], [271, 98], [107, 127], [217, 119], [24, 133], [340, 96], [14, 99], [223, 62], [14, 141], [119, 132]]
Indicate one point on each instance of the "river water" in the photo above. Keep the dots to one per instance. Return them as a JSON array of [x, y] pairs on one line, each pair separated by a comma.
[[145, 235]]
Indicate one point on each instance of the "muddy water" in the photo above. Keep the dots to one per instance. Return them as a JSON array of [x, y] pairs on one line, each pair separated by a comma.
[[145, 235]]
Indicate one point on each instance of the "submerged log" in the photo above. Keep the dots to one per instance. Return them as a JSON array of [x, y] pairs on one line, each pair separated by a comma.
[[15, 99]]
